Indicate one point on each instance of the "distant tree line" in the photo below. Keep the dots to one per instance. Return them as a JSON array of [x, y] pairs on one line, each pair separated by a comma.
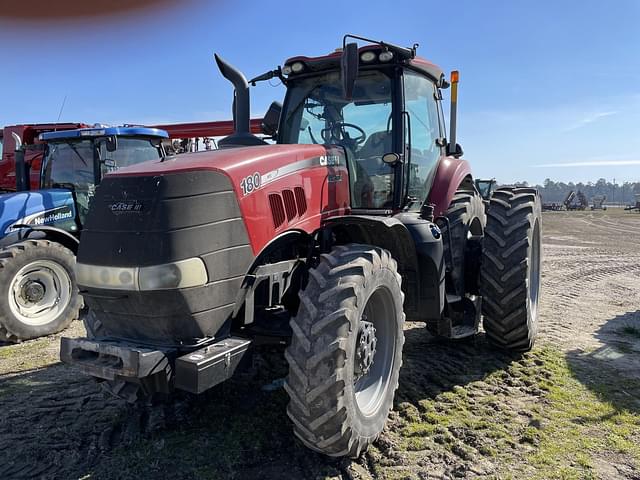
[[557, 191]]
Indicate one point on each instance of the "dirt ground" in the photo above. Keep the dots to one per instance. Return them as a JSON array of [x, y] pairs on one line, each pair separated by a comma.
[[568, 409]]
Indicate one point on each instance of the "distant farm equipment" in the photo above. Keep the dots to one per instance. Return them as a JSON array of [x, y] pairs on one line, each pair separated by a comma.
[[636, 206], [572, 201], [486, 187], [599, 202]]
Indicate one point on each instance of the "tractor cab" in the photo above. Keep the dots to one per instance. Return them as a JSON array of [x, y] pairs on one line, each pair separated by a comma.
[[381, 104], [76, 160], [389, 126]]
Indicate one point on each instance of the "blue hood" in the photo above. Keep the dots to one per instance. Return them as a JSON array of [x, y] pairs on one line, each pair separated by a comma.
[[42, 207]]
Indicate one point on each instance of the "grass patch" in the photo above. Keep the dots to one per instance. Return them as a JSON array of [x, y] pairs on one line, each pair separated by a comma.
[[535, 418], [583, 424]]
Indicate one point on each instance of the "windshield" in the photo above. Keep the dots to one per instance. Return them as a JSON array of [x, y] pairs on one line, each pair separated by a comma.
[[70, 163], [316, 112], [130, 151]]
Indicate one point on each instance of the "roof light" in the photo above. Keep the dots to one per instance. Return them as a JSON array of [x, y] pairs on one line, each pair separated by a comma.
[[91, 133], [297, 67], [367, 57], [385, 56], [455, 76]]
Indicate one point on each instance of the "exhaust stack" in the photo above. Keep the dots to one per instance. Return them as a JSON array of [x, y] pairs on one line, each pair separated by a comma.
[[22, 169], [242, 135]]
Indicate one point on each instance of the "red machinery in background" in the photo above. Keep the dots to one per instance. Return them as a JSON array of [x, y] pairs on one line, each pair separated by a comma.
[[33, 154], [184, 132]]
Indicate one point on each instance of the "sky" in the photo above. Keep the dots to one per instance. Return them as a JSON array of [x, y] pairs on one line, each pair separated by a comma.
[[548, 89]]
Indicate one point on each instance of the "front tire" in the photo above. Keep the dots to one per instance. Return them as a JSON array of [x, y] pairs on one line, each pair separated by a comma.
[[346, 350], [510, 272], [38, 292]]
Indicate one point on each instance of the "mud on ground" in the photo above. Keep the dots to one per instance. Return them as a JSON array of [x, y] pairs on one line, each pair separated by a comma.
[[568, 409]]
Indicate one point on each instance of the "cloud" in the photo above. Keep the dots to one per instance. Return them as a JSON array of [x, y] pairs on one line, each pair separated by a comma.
[[591, 163], [589, 118]]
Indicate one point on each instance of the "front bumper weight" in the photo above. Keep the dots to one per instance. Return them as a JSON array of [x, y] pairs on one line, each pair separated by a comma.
[[202, 369], [109, 360]]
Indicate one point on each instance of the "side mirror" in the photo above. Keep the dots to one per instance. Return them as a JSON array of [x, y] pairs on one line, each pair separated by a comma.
[[349, 69], [391, 158], [271, 119], [111, 143], [454, 152]]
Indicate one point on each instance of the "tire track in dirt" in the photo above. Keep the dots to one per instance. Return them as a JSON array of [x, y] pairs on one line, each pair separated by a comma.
[[582, 289]]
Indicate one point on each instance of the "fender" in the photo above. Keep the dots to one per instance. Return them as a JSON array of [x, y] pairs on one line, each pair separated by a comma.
[[385, 232], [413, 245], [450, 174], [24, 232]]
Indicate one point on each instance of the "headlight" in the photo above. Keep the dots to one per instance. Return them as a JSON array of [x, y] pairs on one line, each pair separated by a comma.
[[297, 67], [181, 274], [286, 70], [106, 277], [367, 57], [385, 56]]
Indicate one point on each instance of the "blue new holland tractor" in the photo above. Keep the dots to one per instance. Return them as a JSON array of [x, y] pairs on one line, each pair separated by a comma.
[[40, 230]]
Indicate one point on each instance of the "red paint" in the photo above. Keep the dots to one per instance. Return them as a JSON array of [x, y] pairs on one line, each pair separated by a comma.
[[219, 128], [450, 174], [324, 199], [33, 155]]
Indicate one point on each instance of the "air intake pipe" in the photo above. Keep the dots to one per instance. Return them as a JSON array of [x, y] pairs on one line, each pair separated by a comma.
[[242, 135], [22, 169]]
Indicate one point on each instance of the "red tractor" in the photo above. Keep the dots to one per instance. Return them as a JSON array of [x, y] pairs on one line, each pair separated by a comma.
[[360, 217]]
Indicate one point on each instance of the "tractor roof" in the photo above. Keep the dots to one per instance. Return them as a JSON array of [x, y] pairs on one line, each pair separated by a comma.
[[105, 132], [332, 61]]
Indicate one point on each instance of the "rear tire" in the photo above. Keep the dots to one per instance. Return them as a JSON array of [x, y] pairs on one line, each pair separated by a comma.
[[346, 350], [510, 272], [466, 217], [38, 291]]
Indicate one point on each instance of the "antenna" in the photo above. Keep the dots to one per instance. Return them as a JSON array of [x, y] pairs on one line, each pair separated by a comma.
[[55, 127]]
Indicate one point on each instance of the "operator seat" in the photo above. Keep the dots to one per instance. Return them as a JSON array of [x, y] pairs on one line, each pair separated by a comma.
[[376, 145]]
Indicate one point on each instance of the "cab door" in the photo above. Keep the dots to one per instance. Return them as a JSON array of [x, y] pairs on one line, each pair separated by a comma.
[[423, 134]]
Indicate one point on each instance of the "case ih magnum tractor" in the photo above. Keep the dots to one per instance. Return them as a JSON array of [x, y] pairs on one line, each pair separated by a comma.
[[361, 216]]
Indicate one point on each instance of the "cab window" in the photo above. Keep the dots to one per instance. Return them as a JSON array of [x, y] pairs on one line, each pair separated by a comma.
[[130, 151], [317, 112], [70, 164], [422, 109]]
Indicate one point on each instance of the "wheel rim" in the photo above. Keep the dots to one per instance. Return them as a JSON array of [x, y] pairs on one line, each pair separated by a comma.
[[534, 273], [39, 292], [375, 351]]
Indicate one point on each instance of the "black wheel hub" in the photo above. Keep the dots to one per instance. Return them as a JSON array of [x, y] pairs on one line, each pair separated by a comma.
[[365, 347], [33, 292]]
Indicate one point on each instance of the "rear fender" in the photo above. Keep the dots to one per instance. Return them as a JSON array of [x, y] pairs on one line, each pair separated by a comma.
[[452, 174]]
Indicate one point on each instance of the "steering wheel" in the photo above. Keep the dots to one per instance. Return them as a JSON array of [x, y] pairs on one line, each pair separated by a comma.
[[338, 132]]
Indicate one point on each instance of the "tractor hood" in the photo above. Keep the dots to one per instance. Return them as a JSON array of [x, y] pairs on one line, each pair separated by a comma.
[[214, 211], [44, 207], [266, 160]]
